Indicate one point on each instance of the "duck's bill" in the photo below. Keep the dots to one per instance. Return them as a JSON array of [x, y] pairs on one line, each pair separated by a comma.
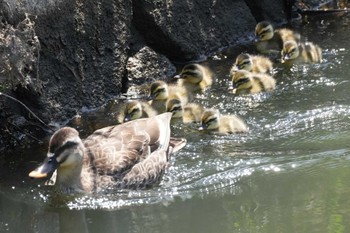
[[48, 167]]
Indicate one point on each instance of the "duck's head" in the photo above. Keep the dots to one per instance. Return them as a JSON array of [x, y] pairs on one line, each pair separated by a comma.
[[241, 80], [210, 119], [244, 62], [290, 51], [175, 107], [133, 110], [263, 31], [65, 154], [158, 91], [192, 73]]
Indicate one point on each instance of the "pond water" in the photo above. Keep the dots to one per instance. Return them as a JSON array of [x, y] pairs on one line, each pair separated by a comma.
[[290, 173]]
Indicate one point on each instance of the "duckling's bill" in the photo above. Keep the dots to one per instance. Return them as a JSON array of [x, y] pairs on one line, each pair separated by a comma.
[[285, 58], [50, 165]]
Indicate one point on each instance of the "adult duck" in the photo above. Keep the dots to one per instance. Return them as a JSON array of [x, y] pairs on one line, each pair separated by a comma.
[[131, 155]]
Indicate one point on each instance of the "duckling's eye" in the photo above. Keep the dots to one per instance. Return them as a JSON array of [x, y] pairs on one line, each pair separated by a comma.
[[292, 50], [244, 63], [177, 108], [211, 120], [263, 33], [160, 90], [241, 81], [134, 110]]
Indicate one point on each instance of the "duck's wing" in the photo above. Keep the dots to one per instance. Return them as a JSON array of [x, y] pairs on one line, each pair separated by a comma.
[[147, 172], [150, 170], [136, 150]]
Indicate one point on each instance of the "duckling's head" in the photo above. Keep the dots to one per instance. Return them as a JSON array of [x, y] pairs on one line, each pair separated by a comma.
[[263, 31], [210, 119], [133, 110], [241, 80], [158, 91], [244, 62], [65, 154], [192, 73], [290, 50], [175, 107]]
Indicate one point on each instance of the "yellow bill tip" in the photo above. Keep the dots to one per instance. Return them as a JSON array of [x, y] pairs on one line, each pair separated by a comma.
[[36, 174]]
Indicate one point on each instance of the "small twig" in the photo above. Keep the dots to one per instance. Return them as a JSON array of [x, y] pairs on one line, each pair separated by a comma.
[[28, 134], [20, 102]]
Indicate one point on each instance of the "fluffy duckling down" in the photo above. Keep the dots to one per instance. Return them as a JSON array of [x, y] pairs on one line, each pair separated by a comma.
[[269, 40], [252, 63], [245, 82], [213, 121], [135, 109], [160, 92], [190, 112], [195, 77], [294, 53]]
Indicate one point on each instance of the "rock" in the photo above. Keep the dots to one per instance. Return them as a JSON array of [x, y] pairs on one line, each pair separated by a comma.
[[270, 10], [190, 30], [147, 66]]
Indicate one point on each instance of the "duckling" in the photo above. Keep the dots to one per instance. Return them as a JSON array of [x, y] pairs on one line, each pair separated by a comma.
[[160, 92], [245, 82], [269, 40], [131, 155], [252, 63], [293, 53], [195, 77], [190, 113], [223, 124], [175, 106], [134, 110]]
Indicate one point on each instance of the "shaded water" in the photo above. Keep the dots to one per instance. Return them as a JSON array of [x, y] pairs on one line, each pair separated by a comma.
[[290, 173]]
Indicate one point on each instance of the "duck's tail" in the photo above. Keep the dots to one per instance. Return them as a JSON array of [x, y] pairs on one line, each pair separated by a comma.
[[176, 144]]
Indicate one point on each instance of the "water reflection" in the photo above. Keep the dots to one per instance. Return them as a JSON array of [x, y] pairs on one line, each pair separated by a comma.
[[290, 173]]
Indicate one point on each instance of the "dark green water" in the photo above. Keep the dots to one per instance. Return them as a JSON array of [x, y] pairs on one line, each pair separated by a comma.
[[290, 173]]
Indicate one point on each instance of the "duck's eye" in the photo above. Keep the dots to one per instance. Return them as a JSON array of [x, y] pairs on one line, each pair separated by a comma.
[[292, 50]]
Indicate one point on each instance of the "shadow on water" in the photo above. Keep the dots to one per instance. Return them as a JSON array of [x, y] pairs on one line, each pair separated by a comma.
[[290, 173]]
